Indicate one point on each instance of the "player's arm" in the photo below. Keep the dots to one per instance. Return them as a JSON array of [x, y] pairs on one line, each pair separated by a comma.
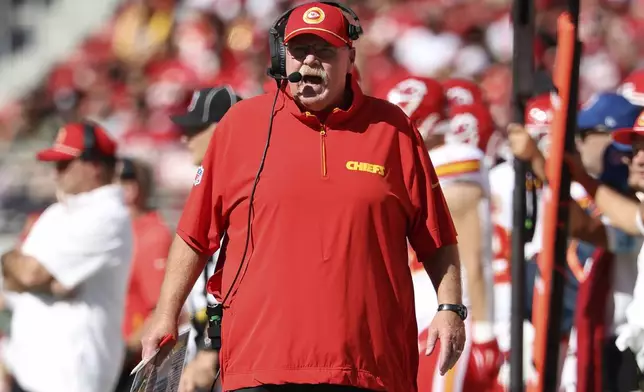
[[24, 273], [463, 200], [524, 147], [624, 213], [581, 225], [585, 227]]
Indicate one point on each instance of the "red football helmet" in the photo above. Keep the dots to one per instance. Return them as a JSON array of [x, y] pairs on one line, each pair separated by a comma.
[[539, 115], [462, 92], [470, 124], [422, 99], [632, 88]]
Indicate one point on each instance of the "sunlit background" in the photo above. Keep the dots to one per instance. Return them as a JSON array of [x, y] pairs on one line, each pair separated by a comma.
[[129, 64]]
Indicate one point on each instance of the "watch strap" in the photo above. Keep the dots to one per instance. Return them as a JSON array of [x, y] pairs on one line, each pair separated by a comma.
[[461, 310]]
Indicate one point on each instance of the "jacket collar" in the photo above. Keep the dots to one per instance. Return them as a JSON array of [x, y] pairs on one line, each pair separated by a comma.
[[337, 115]]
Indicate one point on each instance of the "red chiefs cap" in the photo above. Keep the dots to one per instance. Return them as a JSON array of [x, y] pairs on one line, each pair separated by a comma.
[[324, 20], [625, 136], [70, 144]]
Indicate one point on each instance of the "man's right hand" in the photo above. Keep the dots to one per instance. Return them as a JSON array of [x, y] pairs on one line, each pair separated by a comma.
[[161, 325]]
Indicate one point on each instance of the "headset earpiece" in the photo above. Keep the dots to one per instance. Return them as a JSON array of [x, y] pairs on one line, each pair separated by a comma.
[[278, 54], [354, 30], [277, 47]]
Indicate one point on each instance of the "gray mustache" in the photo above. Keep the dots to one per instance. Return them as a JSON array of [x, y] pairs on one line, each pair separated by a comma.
[[308, 71]]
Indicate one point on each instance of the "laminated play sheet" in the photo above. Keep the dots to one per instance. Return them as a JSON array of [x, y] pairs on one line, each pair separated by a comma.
[[159, 373]]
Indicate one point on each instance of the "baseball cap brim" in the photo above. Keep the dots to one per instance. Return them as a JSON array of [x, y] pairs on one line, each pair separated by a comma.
[[189, 122], [54, 155], [625, 136], [326, 35]]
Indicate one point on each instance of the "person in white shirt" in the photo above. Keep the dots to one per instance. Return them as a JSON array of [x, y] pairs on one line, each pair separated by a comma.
[[66, 284]]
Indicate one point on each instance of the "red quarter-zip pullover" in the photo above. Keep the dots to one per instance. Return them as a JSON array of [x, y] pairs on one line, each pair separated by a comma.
[[326, 296]]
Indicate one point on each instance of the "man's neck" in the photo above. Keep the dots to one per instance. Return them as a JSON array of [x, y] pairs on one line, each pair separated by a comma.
[[343, 102]]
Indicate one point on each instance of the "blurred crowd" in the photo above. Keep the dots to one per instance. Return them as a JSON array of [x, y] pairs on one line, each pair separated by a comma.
[[142, 64]]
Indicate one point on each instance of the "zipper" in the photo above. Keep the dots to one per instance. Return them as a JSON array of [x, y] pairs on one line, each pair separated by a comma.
[[323, 151]]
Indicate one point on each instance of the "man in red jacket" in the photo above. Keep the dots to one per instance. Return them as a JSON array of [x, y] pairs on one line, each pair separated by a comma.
[[316, 288]]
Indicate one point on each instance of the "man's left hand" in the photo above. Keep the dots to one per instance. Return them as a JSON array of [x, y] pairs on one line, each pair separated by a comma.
[[447, 327]]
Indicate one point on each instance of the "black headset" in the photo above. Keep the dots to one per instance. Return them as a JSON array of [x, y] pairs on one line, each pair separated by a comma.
[[90, 147], [128, 170], [90, 151], [276, 45]]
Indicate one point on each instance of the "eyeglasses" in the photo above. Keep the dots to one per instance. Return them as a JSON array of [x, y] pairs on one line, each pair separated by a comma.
[[323, 52]]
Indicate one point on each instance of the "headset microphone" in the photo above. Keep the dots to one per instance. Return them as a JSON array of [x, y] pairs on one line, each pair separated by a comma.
[[294, 77]]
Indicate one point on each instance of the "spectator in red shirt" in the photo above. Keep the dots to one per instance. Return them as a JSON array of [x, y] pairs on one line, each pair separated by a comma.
[[316, 287], [152, 239]]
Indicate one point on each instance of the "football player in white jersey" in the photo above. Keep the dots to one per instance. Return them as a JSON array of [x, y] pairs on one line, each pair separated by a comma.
[[538, 118], [454, 145]]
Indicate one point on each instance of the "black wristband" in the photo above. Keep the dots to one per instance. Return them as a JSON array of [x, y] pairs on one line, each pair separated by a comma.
[[461, 310]]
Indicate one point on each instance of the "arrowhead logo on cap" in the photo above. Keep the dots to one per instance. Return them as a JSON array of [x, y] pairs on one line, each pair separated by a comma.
[[313, 15]]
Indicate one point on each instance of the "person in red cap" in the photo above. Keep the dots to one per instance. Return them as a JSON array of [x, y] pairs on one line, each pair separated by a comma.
[[71, 274], [313, 226]]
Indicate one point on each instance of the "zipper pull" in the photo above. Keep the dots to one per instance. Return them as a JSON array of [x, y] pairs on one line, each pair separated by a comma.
[[323, 150]]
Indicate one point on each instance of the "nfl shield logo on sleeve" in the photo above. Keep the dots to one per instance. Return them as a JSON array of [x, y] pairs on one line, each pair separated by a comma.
[[198, 176]]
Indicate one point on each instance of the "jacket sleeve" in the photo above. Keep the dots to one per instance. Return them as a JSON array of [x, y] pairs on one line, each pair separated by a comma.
[[431, 225], [202, 222]]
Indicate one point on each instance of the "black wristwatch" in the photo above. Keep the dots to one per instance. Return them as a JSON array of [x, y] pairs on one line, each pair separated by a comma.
[[461, 310]]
